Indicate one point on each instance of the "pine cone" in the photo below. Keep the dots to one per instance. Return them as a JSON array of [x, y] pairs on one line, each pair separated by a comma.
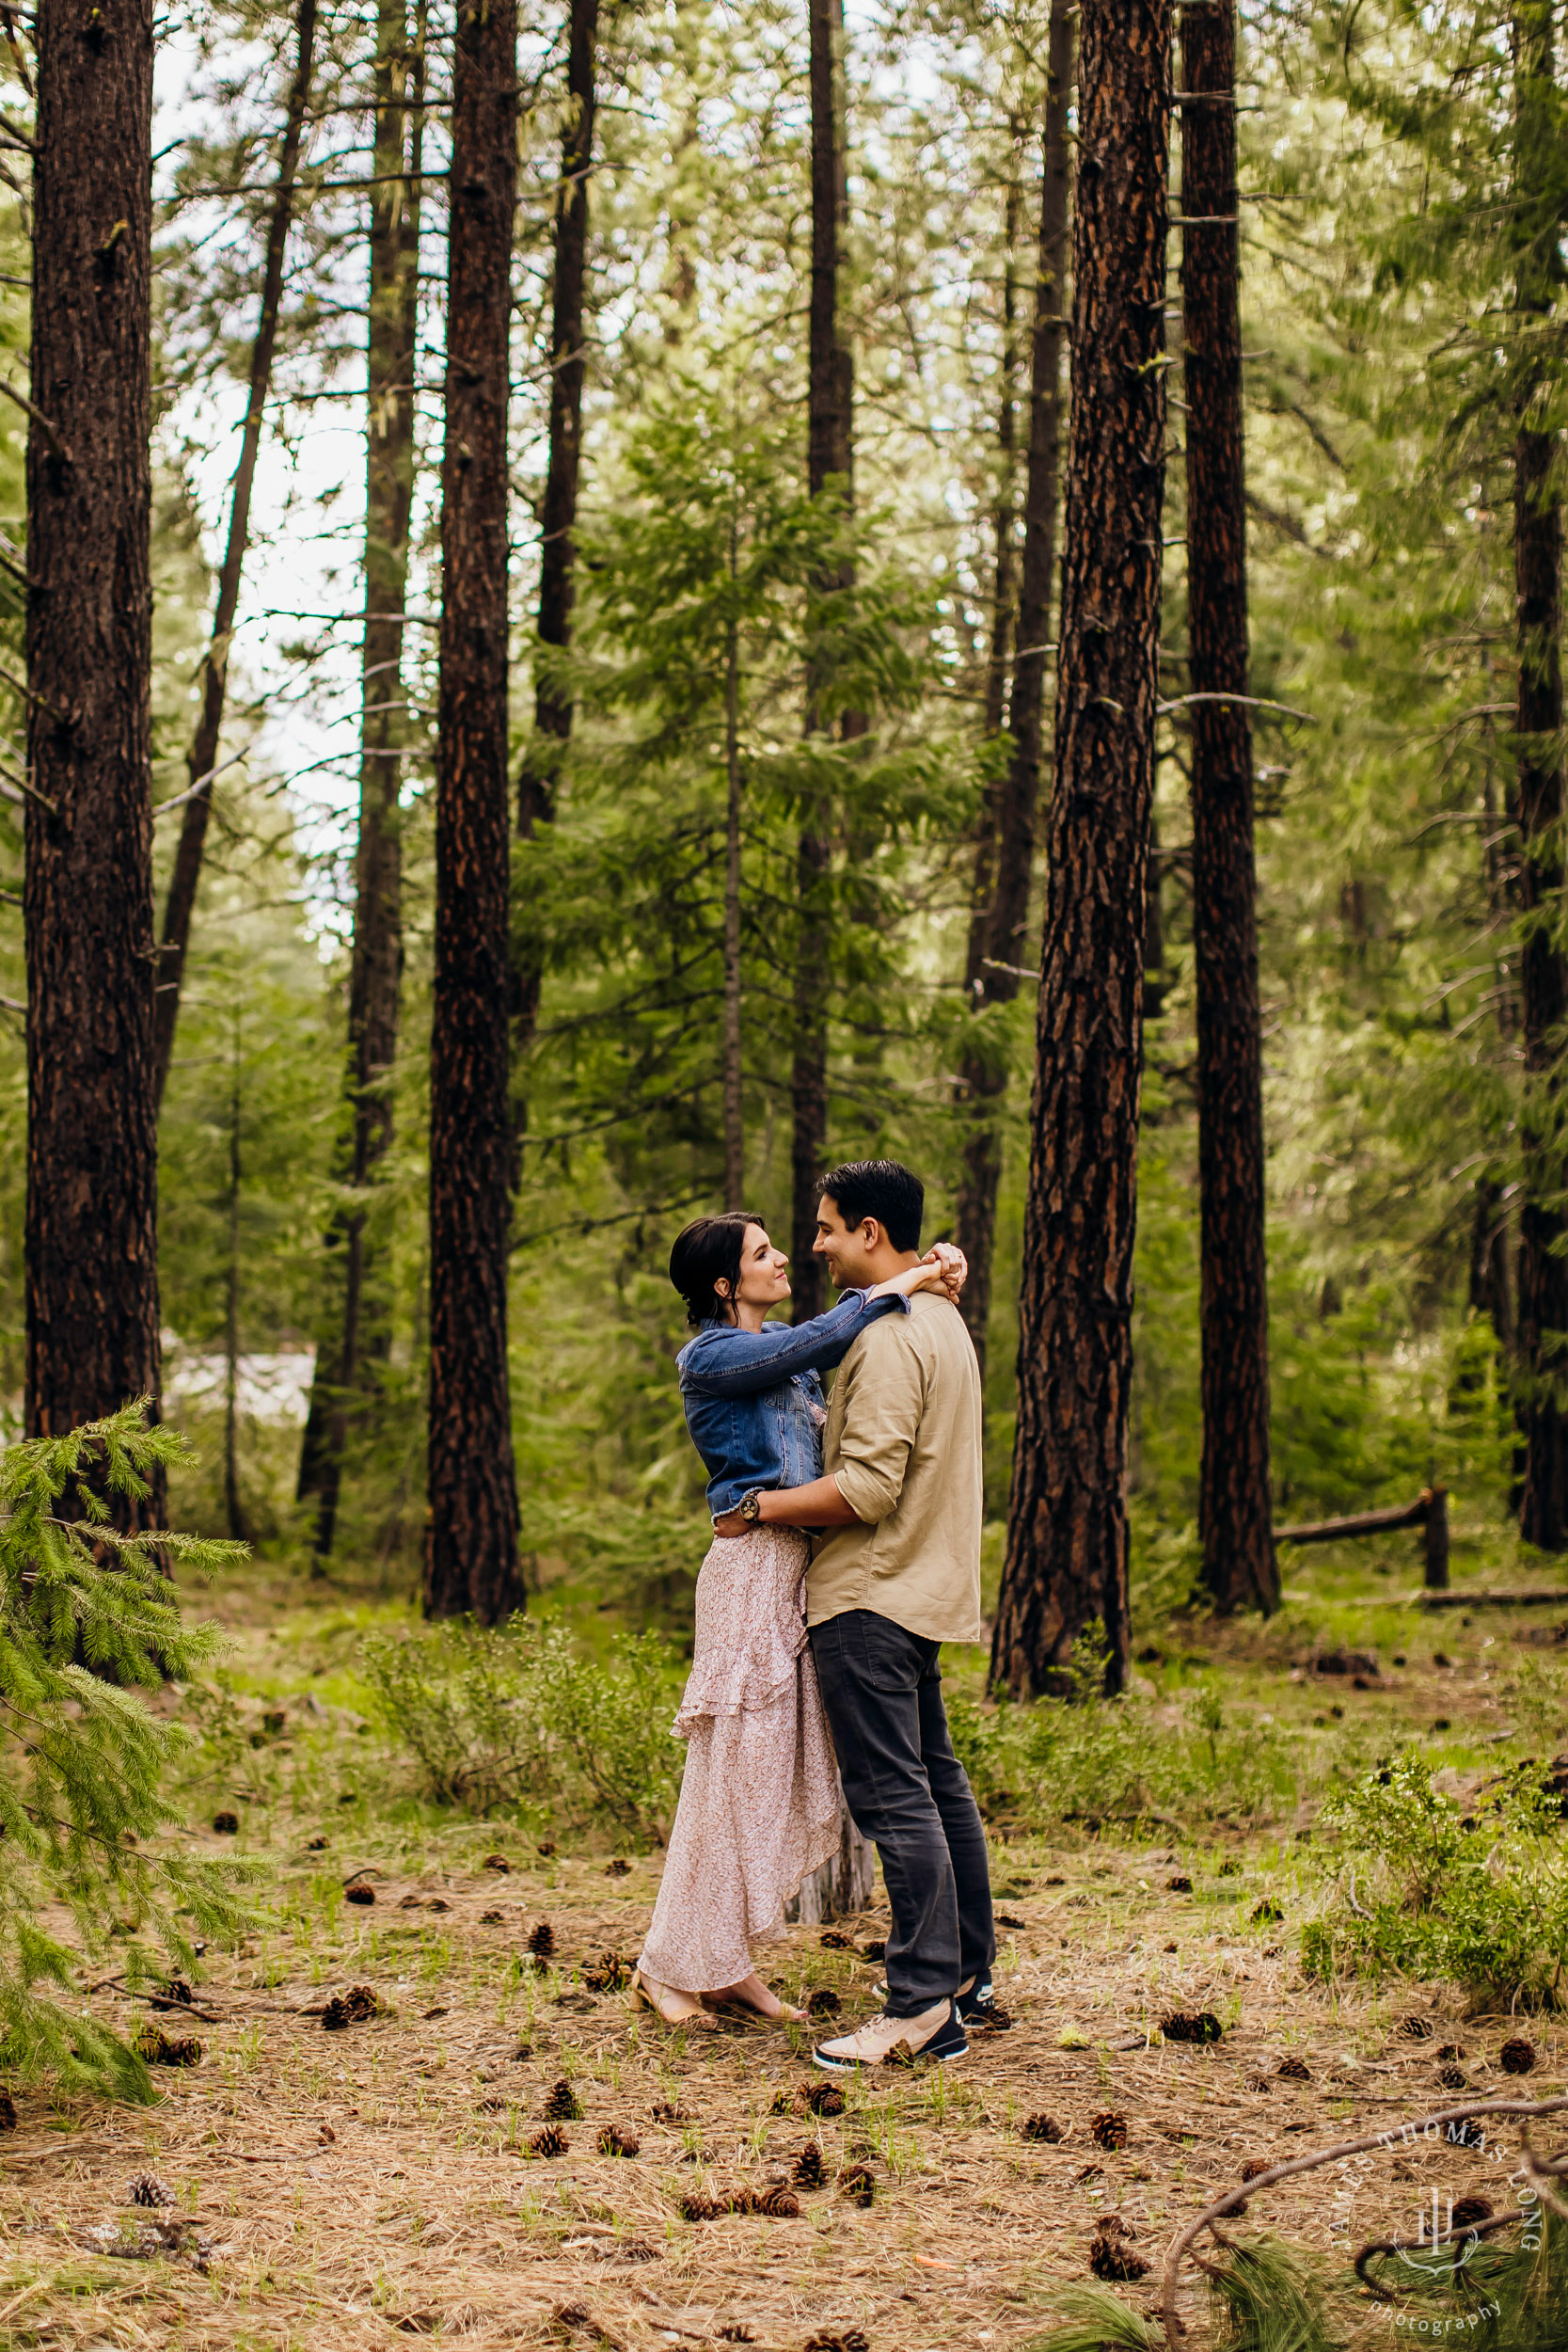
[[901, 2055], [1452, 2078], [786, 2102], [1517, 2055], [852, 2339], [809, 2171], [362, 2002], [738, 2201], [823, 2098], [226, 1825], [1254, 2167], [156, 2048], [823, 2003], [1111, 2254], [564, 2105], [857, 2182], [618, 2139], [1043, 2127], [1293, 2070], [835, 1940], [617, 1869], [1109, 2129], [875, 1950], [335, 2015], [492, 1919], [317, 1845], [8, 2110], [607, 1976], [358, 1892], [551, 2141], [547, 1847], [1188, 2025], [1416, 2028], [177, 1990], [496, 1862], [145, 2188], [696, 2208], [1267, 1912], [541, 1942], [1179, 1884], [779, 2204], [667, 2111], [1469, 2211]]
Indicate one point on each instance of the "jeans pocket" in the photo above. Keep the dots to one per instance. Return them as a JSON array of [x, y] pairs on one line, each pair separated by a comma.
[[890, 1659]]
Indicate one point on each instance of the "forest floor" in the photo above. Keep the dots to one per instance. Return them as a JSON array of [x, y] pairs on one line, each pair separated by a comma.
[[343, 2187]]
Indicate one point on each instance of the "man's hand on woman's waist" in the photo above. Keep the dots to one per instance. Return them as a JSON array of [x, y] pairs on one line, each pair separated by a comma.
[[820, 1503]]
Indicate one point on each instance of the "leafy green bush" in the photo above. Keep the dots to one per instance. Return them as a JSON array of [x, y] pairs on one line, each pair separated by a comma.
[[511, 1717], [1422, 1887], [87, 1616]]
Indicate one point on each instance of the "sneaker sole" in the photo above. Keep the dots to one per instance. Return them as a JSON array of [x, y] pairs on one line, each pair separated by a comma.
[[861, 2066]]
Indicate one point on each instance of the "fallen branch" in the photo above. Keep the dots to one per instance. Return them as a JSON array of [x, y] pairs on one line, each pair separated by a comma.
[[1393, 2140], [1550, 1598]]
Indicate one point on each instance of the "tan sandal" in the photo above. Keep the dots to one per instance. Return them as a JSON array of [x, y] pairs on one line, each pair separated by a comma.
[[728, 2005], [642, 1990]]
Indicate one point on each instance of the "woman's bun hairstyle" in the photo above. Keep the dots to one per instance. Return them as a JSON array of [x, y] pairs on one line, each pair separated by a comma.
[[707, 1252]]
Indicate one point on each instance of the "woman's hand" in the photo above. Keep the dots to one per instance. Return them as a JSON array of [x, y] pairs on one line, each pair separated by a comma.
[[731, 1524], [944, 1268]]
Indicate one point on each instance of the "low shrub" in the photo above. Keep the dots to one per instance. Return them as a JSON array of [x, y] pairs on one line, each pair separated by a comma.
[[1421, 1887], [511, 1718]]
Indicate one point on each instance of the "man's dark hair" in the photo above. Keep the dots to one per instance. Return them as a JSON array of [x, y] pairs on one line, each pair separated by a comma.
[[707, 1253], [885, 1189]]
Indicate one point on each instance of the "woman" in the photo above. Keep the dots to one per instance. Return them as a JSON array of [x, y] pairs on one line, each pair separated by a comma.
[[759, 1802]]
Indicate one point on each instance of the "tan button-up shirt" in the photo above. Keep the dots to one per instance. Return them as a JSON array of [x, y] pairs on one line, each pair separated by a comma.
[[903, 1440]]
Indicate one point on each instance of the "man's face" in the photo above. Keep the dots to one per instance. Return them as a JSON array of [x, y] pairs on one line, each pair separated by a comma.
[[846, 1248]]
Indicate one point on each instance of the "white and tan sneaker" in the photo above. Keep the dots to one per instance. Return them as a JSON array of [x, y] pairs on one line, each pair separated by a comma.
[[934, 2033]]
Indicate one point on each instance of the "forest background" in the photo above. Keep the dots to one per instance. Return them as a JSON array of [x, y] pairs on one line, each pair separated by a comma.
[[1373, 147]]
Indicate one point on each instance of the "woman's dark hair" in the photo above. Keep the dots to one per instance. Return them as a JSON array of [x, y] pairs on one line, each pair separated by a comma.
[[709, 1252]]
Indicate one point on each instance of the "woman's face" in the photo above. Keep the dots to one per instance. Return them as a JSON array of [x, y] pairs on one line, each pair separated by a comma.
[[763, 1271]]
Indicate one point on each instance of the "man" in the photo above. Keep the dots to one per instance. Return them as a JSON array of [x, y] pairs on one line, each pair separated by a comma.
[[899, 1574]]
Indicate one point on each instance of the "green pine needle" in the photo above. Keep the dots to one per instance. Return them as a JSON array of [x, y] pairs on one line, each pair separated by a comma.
[[1095, 2320]]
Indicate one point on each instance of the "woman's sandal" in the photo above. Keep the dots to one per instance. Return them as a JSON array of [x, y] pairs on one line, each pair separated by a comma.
[[643, 1989], [784, 2015]]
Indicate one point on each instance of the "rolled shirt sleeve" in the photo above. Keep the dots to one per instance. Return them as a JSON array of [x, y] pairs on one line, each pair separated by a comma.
[[881, 1417]]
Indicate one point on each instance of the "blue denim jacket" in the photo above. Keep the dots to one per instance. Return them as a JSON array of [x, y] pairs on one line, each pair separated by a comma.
[[753, 1402]]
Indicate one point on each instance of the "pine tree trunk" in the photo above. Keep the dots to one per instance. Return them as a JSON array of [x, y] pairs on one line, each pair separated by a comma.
[[830, 397], [91, 1251], [997, 941], [1067, 1536], [179, 903], [472, 1538], [376, 974], [735, 1131], [552, 705], [1235, 1503], [233, 1508], [1543, 1276]]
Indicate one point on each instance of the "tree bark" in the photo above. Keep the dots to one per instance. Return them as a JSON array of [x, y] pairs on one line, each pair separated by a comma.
[[233, 1506], [1067, 1537], [471, 1539], [179, 904], [1235, 1514], [735, 1130], [92, 1271], [375, 972], [1543, 1272], [830, 398], [1004, 865], [552, 705]]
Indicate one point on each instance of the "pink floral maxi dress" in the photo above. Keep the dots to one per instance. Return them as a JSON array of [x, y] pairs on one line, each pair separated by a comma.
[[759, 1803]]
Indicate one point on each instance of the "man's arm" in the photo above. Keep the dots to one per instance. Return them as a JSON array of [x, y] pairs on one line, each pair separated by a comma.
[[819, 1504]]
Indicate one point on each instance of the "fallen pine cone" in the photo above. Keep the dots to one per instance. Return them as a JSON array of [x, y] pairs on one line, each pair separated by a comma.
[[823, 2098], [608, 1974], [1108, 2129], [779, 2204], [618, 2139], [852, 2339], [875, 1950], [900, 2054], [1452, 2050], [835, 1940], [617, 1869], [1255, 2082], [551, 2141], [1178, 1885], [156, 2048], [1469, 2211], [547, 1847], [226, 1825], [1452, 2078], [1045, 2128], [541, 1943], [353, 2007], [1191, 2024], [1517, 2055], [809, 2171], [491, 1919], [857, 2182], [8, 2110], [783, 2102], [496, 1862], [358, 1892], [696, 2208], [666, 2111], [145, 2188], [1111, 2253], [1293, 2070], [1267, 1912], [563, 2104], [317, 1845], [823, 2003], [1254, 2167], [177, 1990], [1416, 2028]]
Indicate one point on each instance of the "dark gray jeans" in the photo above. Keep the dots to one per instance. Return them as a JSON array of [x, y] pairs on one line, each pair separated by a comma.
[[907, 1791]]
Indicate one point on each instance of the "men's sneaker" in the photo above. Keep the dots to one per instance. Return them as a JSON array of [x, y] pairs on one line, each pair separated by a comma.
[[978, 2006], [934, 2033]]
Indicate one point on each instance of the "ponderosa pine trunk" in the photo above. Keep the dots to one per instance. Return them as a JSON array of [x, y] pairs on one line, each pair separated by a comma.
[[1543, 1279], [1066, 1536], [1235, 1502], [471, 1534], [90, 1250], [362, 1332], [733, 1100], [185, 876], [830, 401], [552, 704], [1005, 857]]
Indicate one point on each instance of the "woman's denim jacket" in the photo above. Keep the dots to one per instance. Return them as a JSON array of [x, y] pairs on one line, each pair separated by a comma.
[[752, 1399]]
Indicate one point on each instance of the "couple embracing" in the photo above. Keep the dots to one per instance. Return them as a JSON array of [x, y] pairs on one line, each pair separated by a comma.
[[846, 1551]]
